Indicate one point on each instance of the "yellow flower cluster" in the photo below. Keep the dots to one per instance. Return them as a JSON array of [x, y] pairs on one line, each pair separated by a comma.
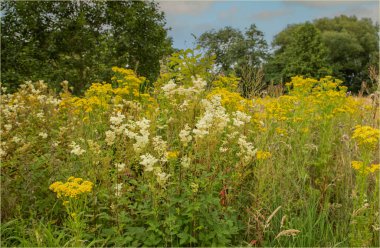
[[230, 100], [262, 155], [102, 95], [229, 83], [360, 167], [366, 136], [172, 154], [72, 188]]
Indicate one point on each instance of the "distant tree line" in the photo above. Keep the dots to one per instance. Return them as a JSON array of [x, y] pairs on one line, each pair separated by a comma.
[[344, 47], [80, 41]]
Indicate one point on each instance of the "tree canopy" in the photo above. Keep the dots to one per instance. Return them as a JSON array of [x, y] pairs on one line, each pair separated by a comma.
[[343, 47], [80, 41], [233, 48]]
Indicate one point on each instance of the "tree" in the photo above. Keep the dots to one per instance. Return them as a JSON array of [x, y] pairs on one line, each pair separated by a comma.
[[80, 41], [348, 46], [353, 46], [299, 51], [233, 48]]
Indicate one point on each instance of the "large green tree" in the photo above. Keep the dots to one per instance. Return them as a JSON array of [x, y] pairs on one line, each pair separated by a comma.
[[80, 41], [342, 46], [234, 49], [299, 51], [353, 46]]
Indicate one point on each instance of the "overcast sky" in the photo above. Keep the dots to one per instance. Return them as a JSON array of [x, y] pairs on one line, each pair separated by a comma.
[[195, 17]]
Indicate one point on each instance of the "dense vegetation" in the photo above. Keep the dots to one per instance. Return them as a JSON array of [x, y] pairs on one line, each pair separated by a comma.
[[192, 163], [80, 41], [229, 145]]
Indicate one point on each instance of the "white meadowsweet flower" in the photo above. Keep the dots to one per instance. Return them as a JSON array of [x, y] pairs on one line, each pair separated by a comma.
[[185, 161], [162, 177], [240, 118], [159, 145], [110, 137], [117, 120], [8, 127], [169, 88], [148, 161], [76, 149], [215, 118], [247, 150], [185, 135], [40, 115], [16, 139], [199, 84], [118, 187], [43, 135], [120, 166]]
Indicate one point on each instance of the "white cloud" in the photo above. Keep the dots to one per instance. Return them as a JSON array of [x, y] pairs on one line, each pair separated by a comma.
[[270, 14], [185, 7]]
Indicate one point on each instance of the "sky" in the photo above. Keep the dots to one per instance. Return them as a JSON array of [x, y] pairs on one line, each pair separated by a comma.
[[188, 18]]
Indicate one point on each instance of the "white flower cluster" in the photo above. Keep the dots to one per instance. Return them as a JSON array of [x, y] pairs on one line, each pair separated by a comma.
[[215, 118], [185, 161], [247, 150], [240, 118], [185, 135], [3, 149], [142, 136], [149, 161], [160, 146], [172, 88], [43, 135], [76, 149], [138, 131], [120, 166], [116, 128]]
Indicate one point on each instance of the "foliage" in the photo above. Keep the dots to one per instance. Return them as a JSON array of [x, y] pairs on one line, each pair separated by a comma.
[[300, 52], [191, 163], [349, 46], [234, 49], [79, 41]]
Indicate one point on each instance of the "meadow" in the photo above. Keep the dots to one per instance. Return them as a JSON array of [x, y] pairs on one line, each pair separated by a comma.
[[187, 161]]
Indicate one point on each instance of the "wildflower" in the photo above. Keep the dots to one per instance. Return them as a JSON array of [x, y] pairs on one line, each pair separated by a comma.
[[76, 149], [240, 118], [159, 145], [8, 127], [43, 135], [162, 177], [262, 155], [16, 139], [374, 167], [194, 187], [118, 188], [361, 168], [172, 154], [73, 188], [148, 161], [117, 120], [110, 137], [169, 88], [185, 161], [357, 165], [366, 136], [120, 166], [40, 115], [215, 117], [185, 135], [247, 150]]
